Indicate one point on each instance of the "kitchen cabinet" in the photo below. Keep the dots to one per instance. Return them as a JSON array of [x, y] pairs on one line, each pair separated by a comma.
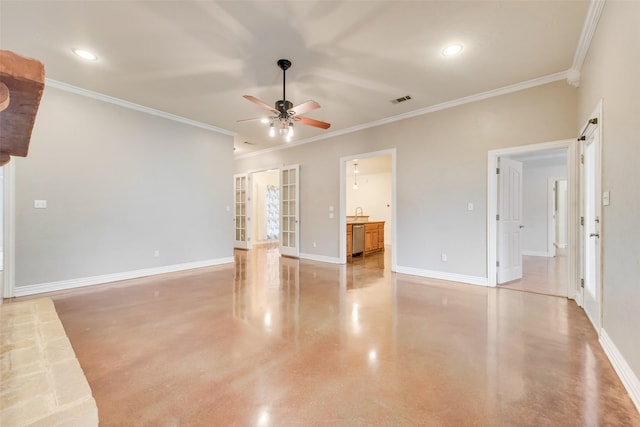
[[373, 236]]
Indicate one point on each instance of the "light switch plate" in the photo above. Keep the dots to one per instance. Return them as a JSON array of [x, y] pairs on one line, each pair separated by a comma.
[[469, 206], [605, 198], [40, 204]]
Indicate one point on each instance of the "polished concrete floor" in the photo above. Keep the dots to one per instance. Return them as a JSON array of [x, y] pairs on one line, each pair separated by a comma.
[[543, 275], [276, 341]]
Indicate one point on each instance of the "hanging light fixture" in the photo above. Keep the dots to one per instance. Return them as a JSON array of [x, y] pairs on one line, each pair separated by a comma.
[[355, 176]]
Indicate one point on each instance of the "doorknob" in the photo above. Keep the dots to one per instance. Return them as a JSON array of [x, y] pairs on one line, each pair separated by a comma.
[[594, 235]]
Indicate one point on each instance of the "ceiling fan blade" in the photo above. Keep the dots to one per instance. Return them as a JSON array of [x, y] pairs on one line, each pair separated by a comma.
[[252, 119], [303, 108], [312, 122], [260, 103]]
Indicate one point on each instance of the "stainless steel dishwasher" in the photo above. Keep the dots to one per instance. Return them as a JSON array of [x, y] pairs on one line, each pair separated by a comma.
[[358, 239]]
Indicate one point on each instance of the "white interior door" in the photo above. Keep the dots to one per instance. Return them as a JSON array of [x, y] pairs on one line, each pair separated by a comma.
[[509, 220], [289, 210], [591, 255], [242, 216]]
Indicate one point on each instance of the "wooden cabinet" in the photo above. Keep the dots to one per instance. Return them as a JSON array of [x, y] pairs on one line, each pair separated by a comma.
[[373, 236]]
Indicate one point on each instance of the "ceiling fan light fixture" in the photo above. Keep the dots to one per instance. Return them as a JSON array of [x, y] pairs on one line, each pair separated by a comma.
[[285, 113], [452, 49]]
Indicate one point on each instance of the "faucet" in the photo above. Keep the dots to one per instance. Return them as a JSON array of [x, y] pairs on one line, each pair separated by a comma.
[[358, 209]]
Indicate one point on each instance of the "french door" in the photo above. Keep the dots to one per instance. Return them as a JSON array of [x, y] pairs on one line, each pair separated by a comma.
[[289, 210], [242, 211]]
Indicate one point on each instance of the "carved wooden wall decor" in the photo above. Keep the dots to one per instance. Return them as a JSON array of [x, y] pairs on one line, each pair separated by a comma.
[[21, 86]]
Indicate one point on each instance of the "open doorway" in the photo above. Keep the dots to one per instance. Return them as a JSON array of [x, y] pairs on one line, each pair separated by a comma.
[[265, 207], [536, 247], [544, 263], [367, 207]]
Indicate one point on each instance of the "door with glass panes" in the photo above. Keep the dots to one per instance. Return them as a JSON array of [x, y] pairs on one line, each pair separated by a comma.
[[242, 209], [289, 210]]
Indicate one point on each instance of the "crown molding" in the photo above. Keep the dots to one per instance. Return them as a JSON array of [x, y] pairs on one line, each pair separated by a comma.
[[588, 30], [422, 111], [132, 106]]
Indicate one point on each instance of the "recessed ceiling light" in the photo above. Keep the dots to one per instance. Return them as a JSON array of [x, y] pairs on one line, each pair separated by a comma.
[[84, 54], [452, 50]]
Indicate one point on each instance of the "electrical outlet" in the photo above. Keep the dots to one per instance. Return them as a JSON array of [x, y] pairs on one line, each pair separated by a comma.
[[156, 253], [469, 206], [40, 204], [443, 257], [314, 244]]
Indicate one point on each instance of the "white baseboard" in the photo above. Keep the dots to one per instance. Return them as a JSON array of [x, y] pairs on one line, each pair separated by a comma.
[[626, 374], [321, 258], [536, 253], [39, 288], [453, 277]]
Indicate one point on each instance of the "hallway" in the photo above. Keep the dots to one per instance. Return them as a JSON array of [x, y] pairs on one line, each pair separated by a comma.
[[278, 342], [543, 275]]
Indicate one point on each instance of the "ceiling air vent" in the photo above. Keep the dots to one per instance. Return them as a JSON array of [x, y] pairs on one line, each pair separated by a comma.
[[401, 99]]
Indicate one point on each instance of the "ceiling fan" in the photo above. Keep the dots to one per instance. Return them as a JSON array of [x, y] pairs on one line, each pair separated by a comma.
[[284, 113]]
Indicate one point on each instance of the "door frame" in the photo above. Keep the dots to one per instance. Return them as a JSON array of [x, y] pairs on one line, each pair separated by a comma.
[[343, 203], [9, 234], [492, 201]]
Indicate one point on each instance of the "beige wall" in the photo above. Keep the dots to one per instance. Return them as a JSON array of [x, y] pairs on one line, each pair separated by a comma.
[[441, 166], [610, 73], [120, 184]]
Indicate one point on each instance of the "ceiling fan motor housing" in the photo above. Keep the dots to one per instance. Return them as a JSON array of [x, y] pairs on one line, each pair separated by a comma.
[[283, 105]]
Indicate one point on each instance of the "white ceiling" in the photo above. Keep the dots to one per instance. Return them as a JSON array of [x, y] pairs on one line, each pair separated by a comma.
[[197, 59]]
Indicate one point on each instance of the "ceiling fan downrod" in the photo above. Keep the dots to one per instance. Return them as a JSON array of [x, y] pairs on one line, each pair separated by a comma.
[[283, 105]]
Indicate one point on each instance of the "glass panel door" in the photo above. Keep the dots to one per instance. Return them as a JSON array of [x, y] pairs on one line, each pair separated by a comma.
[[241, 218], [289, 211]]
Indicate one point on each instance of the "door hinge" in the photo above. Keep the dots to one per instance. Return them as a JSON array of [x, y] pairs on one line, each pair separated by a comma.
[[582, 158], [582, 138], [581, 220], [497, 171], [582, 283], [497, 217], [594, 121], [497, 263]]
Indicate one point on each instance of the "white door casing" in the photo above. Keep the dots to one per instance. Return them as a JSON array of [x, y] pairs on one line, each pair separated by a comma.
[[290, 210], [242, 210], [591, 215], [509, 221]]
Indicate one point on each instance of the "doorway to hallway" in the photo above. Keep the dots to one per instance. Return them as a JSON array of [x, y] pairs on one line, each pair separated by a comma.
[[546, 222]]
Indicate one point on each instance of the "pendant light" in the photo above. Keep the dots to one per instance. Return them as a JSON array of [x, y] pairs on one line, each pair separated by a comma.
[[355, 176]]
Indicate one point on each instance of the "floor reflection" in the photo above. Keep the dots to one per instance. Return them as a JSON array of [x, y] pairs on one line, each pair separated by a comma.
[[272, 340]]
